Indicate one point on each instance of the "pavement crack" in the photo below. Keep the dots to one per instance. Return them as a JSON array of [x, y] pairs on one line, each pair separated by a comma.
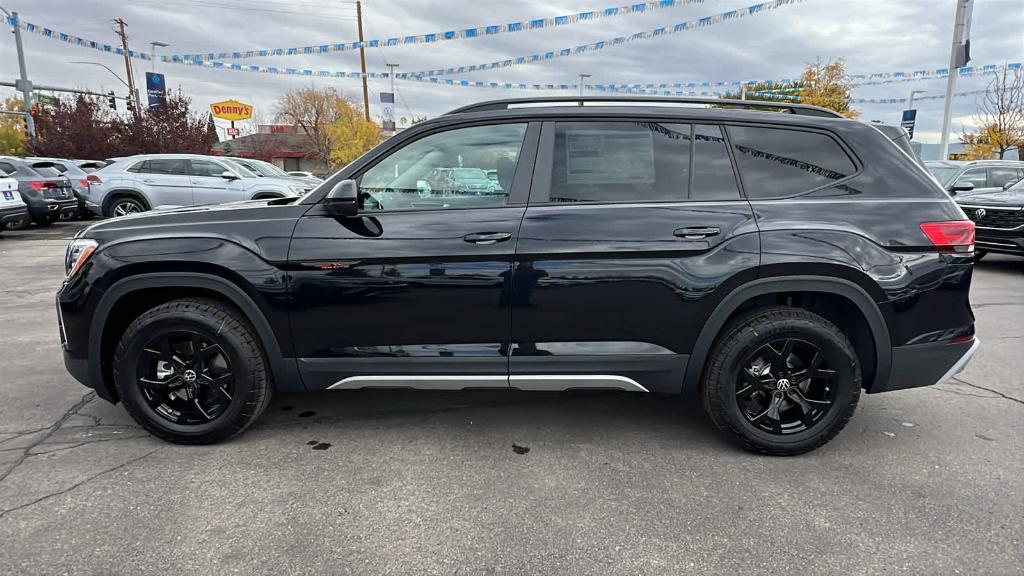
[[87, 443], [50, 430], [996, 392], [83, 482]]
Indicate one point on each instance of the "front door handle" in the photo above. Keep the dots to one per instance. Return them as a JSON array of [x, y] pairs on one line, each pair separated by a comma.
[[696, 232], [487, 237]]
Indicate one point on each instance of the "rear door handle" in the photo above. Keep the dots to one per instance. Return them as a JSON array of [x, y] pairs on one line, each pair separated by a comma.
[[696, 232], [487, 237]]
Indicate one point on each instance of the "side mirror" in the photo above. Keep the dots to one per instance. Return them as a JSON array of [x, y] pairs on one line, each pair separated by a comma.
[[229, 175], [343, 199], [962, 187]]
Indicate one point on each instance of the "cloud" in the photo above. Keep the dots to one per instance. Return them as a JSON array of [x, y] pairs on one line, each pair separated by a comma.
[[872, 35]]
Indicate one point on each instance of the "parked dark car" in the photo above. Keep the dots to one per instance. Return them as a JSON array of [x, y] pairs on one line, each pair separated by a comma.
[[76, 175], [771, 264], [999, 218], [45, 190]]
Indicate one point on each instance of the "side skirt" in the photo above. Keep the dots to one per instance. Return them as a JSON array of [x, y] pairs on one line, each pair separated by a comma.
[[532, 382]]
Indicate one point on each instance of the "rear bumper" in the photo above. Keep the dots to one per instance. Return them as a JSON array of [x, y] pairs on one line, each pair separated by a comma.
[[928, 364], [54, 209], [11, 215]]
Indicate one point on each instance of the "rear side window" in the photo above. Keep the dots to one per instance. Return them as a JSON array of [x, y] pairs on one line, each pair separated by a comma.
[[160, 166], [776, 162], [713, 177], [47, 170], [976, 176]]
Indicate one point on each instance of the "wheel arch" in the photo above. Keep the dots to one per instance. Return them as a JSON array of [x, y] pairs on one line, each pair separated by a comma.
[[825, 296], [110, 197], [266, 195], [129, 297]]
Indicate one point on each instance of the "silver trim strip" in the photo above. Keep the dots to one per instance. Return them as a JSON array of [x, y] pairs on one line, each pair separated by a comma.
[[558, 382], [531, 382], [961, 363], [456, 382]]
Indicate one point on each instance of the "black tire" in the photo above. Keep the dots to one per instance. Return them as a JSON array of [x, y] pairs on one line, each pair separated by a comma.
[[124, 205], [728, 379], [217, 326], [979, 254]]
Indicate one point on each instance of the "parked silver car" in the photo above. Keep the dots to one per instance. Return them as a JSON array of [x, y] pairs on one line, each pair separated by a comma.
[[975, 177], [269, 170], [150, 181]]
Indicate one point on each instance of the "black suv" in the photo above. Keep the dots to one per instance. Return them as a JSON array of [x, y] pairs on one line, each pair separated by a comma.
[[775, 264]]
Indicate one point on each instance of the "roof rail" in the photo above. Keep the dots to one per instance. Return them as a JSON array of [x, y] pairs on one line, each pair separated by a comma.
[[802, 109]]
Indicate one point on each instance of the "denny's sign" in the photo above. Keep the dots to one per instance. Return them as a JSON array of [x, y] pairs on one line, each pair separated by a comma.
[[231, 110]]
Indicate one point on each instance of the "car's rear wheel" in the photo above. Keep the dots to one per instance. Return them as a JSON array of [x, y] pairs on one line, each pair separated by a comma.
[[126, 205], [192, 372], [782, 381]]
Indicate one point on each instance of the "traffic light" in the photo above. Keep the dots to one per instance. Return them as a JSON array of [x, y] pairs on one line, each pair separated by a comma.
[[112, 101], [130, 104]]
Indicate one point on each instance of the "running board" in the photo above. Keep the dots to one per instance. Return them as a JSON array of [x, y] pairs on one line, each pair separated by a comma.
[[532, 382]]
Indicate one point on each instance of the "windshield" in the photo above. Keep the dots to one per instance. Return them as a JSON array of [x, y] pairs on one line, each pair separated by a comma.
[[245, 172], [943, 173], [268, 169]]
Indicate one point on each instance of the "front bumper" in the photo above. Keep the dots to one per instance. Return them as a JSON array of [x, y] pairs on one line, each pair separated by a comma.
[[1003, 244], [920, 365]]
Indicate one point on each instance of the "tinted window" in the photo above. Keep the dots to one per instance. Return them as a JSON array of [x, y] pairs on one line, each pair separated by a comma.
[[206, 168], [7, 168], [46, 170], [974, 176], [774, 162], [620, 162], [160, 166], [446, 170], [999, 177], [713, 176]]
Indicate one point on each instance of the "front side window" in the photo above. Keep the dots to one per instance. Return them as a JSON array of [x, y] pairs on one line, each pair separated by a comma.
[[446, 170], [975, 176], [776, 162], [206, 168]]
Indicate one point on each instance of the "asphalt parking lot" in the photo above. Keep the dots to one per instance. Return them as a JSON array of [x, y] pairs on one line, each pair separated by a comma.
[[402, 482]]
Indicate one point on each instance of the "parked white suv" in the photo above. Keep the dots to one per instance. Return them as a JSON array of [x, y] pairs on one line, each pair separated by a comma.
[[13, 212], [150, 181]]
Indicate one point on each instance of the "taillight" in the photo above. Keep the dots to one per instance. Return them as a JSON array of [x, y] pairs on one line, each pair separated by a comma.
[[37, 185], [94, 179], [952, 236], [83, 182]]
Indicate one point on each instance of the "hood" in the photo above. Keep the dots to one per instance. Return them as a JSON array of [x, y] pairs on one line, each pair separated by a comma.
[[234, 211], [1009, 198]]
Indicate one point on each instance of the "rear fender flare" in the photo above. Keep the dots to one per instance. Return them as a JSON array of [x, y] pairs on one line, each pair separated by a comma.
[[851, 291]]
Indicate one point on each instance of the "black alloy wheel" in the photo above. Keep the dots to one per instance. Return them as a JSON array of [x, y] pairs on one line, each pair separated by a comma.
[[185, 378], [781, 381], [786, 386], [192, 371]]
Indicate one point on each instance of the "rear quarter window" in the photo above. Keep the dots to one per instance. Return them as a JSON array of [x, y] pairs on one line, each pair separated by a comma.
[[782, 162]]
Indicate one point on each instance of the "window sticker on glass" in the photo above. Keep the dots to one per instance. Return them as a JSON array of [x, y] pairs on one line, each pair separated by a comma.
[[609, 157]]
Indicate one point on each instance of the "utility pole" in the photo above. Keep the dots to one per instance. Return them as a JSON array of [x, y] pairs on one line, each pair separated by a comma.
[[362, 62], [23, 83], [391, 75], [128, 67]]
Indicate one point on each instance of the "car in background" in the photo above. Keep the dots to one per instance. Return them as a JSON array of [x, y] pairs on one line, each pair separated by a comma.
[[263, 168], [46, 191], [77, 176], [998, 219], [461, 181], [13, 211], [91, 165], [301, 174], [145, 182], [977, 176]]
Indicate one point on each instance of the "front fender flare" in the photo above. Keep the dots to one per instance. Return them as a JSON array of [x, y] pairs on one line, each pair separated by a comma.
[[283, 370]]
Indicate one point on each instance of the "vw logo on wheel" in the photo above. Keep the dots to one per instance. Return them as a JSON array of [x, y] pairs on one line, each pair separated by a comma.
[[782, 384], [189, 376]]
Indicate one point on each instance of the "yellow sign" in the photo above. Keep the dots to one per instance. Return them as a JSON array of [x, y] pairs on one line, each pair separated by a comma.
[[231, 110]]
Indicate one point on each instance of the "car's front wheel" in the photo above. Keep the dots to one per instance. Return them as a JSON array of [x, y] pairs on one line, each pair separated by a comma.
[[781, 381], [125, 205], [192, 372]]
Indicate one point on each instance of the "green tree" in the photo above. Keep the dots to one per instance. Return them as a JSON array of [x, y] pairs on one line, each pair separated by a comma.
[[12, 129], [211, 130]]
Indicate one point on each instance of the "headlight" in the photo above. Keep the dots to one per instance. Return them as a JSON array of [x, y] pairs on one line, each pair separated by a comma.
[[299, 190], [79, 252]]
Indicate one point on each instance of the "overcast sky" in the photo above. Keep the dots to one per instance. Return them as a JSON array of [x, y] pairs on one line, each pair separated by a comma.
[[872, 35]]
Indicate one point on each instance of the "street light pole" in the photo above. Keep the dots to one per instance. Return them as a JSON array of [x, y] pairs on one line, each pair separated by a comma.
[[582, 78], [23, 83], [910, 101], [152, 52], [391, 75]]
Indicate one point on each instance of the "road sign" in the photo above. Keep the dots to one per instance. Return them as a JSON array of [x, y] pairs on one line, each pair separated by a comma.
[[387, 100], [909, 117], [234, 131], [45, 100], [231, 110]]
